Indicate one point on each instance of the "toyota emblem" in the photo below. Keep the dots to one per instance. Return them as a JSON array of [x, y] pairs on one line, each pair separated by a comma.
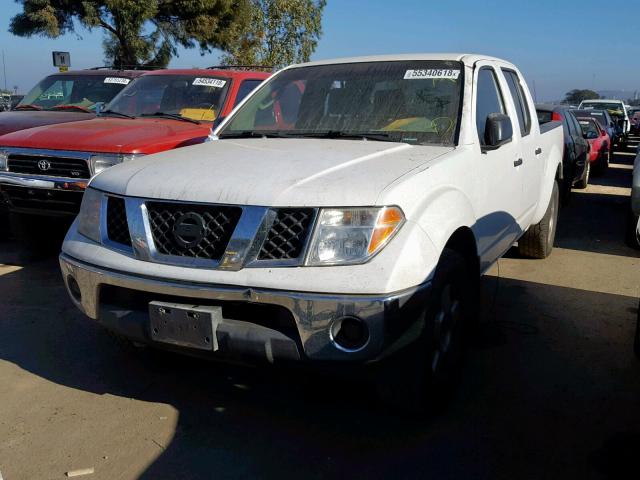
[[44, 165], [189, 230]]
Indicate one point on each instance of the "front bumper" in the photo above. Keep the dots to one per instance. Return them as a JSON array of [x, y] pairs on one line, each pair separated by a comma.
[[258, 324], [39, 194]]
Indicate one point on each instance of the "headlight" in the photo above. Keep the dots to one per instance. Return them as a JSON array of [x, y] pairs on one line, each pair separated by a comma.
[[346, 236], [3, 160], [89, 216], [100, 162]]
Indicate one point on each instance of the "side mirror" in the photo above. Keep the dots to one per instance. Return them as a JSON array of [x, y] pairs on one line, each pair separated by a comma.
[[497, 131], [604, 134], [217, 122]]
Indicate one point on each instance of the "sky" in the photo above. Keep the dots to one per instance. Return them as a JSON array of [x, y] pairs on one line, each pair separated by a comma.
[[559, 45]]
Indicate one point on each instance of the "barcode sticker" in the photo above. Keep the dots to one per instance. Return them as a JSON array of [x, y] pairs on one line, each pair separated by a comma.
[[210, 82], [431, 73], [120, 80]]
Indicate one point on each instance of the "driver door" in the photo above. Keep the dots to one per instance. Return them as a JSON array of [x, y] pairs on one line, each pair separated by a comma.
[[499, 204]]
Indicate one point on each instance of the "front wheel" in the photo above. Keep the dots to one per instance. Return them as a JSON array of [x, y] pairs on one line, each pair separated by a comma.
[[537, 241], [423, 376]]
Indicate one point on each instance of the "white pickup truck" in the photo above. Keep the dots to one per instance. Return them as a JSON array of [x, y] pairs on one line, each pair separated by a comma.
[[342, 213]]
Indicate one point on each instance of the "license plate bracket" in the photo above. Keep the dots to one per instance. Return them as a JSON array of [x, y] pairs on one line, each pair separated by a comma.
[[192, 326]]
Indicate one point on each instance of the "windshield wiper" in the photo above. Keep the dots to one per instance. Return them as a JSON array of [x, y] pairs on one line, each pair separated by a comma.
[[113, 112], [28, 106], [70, 107], [379, 137], [171, 115], [255, 134]]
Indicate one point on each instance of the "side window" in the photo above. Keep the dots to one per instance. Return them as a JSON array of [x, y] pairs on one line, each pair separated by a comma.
[[488, 99], [577, 125], [519, 99], [245, 89]]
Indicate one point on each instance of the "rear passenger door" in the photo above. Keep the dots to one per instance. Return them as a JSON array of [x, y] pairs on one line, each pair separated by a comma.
[[499, 196], [531, 153]]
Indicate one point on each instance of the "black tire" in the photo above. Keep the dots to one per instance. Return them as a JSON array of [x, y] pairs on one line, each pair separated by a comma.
[[537, 241], [631, 235], [41, 236], [421, 378], [584, 181], [5, 225], [636, 342], [602, 164]]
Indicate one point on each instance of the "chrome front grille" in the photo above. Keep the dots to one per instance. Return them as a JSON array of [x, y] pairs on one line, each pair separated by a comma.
[[190, 230], [201, 235], [49, 165]]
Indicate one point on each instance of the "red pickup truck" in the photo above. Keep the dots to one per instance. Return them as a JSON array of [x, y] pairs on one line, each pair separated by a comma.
[[44, 170], [66, 97]]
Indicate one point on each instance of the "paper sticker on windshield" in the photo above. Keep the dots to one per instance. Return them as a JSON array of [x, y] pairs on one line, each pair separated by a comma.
[[122, 81], [210, 82], [432, 73]]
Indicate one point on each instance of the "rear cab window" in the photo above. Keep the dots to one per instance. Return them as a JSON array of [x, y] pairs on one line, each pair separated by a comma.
[[246, 87], [520, 101]]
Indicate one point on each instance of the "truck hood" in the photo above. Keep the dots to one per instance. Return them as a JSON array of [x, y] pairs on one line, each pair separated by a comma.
[[270, 172], [20, 120], [110, 135]]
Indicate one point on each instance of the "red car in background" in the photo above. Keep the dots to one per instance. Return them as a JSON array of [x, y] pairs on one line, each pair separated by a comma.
[[599, 140], [45, 170]]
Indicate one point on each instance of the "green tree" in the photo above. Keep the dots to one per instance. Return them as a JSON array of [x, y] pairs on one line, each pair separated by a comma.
[[574, 97], [139, 32], [278, 33]]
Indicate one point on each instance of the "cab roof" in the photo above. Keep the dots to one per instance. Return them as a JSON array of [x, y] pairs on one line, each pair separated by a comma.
[[469, 59], [212, 72], [104, 72]]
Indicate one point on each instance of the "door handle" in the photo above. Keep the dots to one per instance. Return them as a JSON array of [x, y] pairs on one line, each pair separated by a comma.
[[517, 163], [538, 151]]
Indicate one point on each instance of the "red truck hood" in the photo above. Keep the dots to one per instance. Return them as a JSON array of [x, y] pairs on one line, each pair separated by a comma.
[[20, 120], [111, 135]]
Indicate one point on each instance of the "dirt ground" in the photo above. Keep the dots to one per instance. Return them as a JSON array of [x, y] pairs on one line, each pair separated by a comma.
[[551, 388]]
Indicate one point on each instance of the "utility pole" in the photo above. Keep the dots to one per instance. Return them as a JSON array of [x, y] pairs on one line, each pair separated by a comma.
[[4, 69]]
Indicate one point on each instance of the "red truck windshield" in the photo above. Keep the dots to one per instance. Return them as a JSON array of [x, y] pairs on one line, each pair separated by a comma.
[[189, 96], [81, 91]]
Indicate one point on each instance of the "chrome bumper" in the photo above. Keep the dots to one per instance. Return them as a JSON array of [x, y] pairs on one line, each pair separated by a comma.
[[43, 181], [392, 320]]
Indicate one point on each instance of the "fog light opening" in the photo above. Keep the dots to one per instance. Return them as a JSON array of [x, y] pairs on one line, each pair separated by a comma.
[[74, 289], [349, 334]]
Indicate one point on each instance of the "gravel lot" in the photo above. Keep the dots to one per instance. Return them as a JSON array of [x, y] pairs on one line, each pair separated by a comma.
[[551, 388]]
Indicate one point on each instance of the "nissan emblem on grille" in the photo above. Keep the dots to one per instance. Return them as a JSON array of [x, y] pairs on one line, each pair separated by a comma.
[[189, 230], [44, 165]]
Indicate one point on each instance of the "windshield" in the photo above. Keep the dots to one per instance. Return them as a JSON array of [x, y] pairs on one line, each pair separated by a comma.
[[187, 96], [613, 108], [415, 102], [82, 91]]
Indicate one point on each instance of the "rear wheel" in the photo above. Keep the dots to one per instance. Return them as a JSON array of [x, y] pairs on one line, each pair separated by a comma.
[[584, 181], [537, 241], [636, 343], [422, 378], [602, 164], [632, 236]]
